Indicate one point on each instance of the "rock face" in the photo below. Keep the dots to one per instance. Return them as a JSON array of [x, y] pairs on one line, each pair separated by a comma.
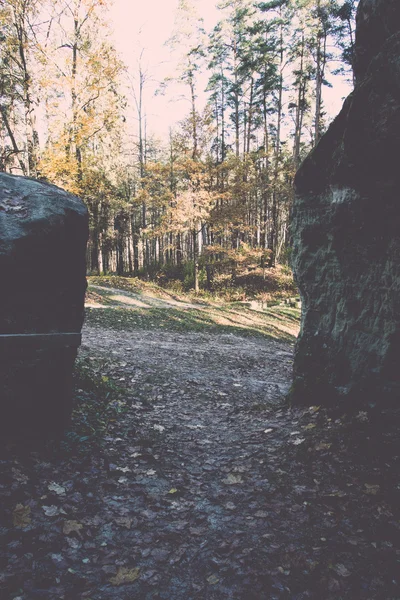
[[43, 235], [346, 232], [377, 21]]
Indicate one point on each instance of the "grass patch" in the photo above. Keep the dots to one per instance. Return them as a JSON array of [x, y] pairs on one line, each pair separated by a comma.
[[125, 304], [277, 323], [98, 403]]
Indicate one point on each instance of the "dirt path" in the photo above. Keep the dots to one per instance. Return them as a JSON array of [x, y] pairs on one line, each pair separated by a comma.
[[207, 487], [201, 404]]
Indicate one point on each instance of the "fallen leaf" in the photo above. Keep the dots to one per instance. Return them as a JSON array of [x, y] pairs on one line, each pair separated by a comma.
[[53, 511], [232, 479], [213, 579], [124, 522], [310, 426], [298, 441], [362, 417], [125, 575], [57, 558], [58, 489], [371, 489], [323, 446], [336, 494], [159, 428], [21, 516], [261, 514], [172, 491], [72, 527], [342, 570], [19, 476]]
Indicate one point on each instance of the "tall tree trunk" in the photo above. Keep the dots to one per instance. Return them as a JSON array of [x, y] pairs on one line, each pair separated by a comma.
[[274, 207], [299, 107], [135, 242], [32, 138], [265, 176], [178, 250], [10, 133], [74, 138], [194, 117], [320, 72], [94, 255], [195, 260], [222, 119], [250, 117]]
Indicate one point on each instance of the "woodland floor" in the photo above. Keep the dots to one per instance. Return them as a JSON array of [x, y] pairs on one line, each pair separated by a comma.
[[204, 484]]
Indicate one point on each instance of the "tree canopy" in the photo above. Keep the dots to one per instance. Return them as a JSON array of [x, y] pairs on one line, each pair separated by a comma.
[[223, 179]]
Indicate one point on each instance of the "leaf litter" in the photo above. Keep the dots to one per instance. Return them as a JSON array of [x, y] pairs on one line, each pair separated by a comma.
[[235, 508]]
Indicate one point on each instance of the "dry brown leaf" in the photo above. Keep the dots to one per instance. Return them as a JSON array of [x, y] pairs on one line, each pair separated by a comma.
[[323, 446], [72, 527], [371, 489], [125, 575], [21, 516]]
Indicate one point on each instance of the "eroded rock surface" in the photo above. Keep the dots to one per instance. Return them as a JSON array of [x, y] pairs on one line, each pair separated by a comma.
[[43, 233], [346, 231]]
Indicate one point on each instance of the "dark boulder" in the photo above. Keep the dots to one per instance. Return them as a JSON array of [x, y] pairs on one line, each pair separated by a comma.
[[346, 232], [377, 21], [43, 235]]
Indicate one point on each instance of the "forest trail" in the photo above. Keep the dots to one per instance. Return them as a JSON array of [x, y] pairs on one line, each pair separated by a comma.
[[206, 485]]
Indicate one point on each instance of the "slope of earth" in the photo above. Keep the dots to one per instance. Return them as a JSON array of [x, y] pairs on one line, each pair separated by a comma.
[[204, 484], [155, 308]]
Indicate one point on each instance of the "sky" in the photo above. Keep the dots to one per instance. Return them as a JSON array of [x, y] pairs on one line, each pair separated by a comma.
[[143, 26], [146, 25]]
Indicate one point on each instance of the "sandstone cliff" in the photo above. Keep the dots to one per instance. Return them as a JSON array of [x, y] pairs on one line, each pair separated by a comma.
[[346, 232]]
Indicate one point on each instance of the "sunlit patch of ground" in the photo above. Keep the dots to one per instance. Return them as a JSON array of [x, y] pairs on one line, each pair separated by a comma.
[[127, 310], [129, 301]]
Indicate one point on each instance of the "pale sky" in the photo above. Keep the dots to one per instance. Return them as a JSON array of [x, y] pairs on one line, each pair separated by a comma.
[[141, 24], [146, 25]]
